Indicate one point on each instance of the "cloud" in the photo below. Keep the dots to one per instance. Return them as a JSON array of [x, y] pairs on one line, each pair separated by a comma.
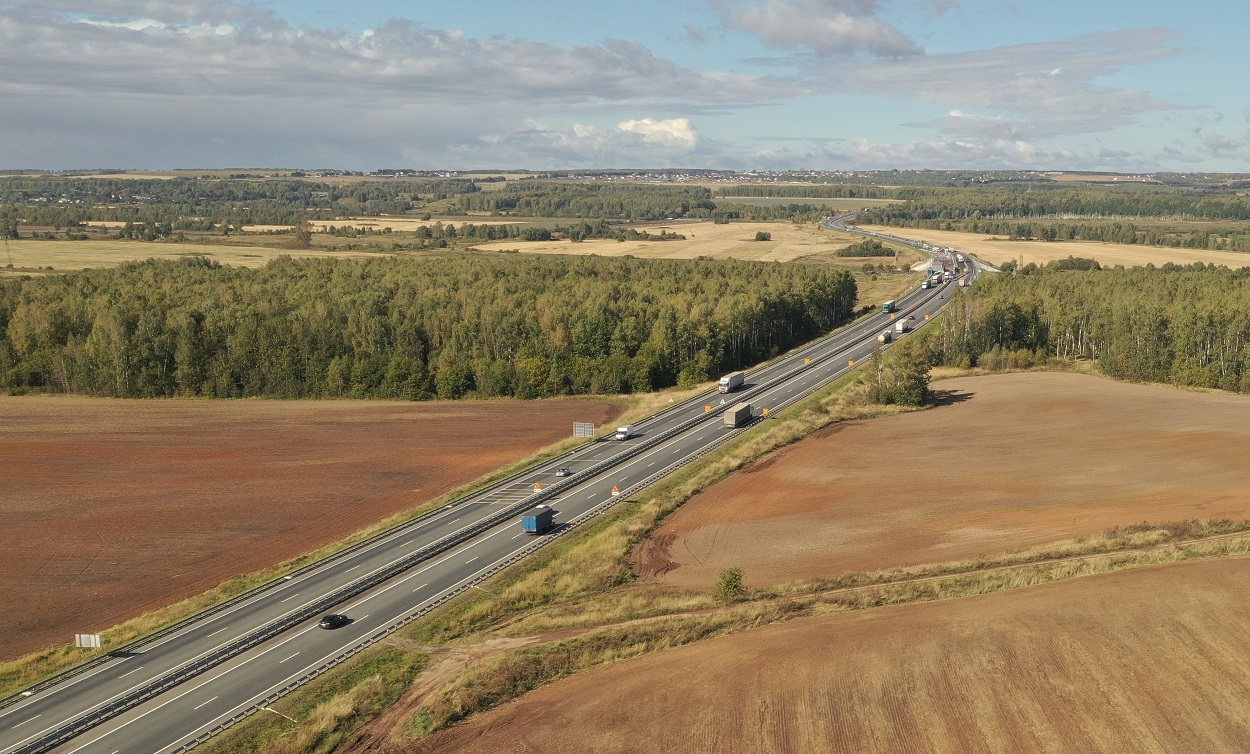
[[178, 75], [826, 27], [1035, 91], [674, 132]]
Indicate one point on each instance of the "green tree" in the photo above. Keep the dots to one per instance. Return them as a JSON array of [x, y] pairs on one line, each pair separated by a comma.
[[729, 586]]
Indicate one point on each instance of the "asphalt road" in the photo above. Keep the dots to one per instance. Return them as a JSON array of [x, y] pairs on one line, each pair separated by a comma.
[[176, 717]]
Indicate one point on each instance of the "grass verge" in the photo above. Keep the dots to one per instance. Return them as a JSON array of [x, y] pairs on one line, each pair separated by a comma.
[[316, 718]]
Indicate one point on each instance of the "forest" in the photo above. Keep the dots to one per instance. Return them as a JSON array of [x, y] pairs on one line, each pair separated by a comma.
[[498, 325], [1181, 325]]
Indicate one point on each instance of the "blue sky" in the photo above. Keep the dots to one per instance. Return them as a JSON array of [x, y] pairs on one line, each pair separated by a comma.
[[735, 84]]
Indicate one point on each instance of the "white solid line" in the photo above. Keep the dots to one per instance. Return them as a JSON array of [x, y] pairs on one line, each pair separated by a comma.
[[136, 670], [216, 632], [205, 703], [293, 596], [36, 717], [282, 661]]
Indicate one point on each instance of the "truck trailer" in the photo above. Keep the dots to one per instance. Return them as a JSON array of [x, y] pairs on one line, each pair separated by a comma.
[[538, 520], [738, 415], [732, 381], [625, 432], [902, 326], [885, 337]]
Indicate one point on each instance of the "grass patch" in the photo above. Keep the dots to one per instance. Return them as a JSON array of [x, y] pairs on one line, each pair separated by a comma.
[[317, 717]]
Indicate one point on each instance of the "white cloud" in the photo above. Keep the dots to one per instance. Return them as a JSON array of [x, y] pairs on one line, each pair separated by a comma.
[[676, 132], [827, 27]]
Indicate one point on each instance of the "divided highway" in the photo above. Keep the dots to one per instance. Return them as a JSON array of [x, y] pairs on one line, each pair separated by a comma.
[[170, 693]]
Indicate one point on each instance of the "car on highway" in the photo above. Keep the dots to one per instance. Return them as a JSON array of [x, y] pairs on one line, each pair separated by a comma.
[[333, 620], [564, 471]]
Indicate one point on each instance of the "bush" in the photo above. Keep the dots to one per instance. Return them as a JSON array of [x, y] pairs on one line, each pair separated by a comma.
[[729, 586], [763, 236]]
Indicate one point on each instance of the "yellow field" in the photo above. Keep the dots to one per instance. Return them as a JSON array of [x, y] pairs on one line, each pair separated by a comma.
[[999, 250], [790, 243], [76, 255]]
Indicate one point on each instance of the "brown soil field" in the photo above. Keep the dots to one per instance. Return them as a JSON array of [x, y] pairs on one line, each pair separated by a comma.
[[1150, 660], [63, 256], [112, 508], [790, 242], [1008, 462], [999, 250]]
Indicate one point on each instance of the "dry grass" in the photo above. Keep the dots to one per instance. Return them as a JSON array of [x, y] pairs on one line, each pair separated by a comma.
[[790, 243], [999, 250], [32, 257]]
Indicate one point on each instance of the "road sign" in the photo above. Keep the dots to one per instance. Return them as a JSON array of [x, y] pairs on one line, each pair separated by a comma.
[[765, 412], [538, 486], [616, 490], [850, 363], [583, 429], [807, 361], [706, 409], [87, 641]]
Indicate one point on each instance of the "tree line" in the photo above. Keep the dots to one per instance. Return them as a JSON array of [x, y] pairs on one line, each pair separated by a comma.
[[1183, 325], [405, 328]]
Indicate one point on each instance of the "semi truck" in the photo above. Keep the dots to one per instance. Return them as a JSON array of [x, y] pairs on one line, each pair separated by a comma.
[[738, 415], [885, 337], [625, 432], [732, 381], [538, 520], [889, 306]]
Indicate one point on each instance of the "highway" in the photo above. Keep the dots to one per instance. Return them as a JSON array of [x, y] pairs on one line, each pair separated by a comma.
[[170, 693]]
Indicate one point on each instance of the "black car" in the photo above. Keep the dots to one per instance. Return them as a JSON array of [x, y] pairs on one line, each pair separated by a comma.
[[333, 620]]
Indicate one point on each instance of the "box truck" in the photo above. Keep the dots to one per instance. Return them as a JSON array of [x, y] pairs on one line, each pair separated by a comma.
[[738, 415], [732, 381]]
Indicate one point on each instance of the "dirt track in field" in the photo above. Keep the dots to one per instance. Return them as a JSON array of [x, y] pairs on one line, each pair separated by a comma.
[[1151, 660], [112, 508], [1009, 461]]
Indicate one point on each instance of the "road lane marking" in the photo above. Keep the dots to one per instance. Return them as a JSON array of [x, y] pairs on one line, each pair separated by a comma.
[[210, 701], [470, 560], [136, 670], [36, 717], [349, 570], [288, 599], [284, 660], [520, 535], [216, 632], [420, 587]]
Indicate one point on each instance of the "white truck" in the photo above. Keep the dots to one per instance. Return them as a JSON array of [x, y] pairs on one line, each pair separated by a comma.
[[625, 432], [732, 381], [902, 326]]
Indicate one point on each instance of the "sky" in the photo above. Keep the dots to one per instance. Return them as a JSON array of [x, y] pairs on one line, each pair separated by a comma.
[[1114, 85]]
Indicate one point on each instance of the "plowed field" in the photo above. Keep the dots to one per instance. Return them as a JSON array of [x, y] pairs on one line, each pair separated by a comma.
[[111, 508], [1152, 660], [1009, 461]]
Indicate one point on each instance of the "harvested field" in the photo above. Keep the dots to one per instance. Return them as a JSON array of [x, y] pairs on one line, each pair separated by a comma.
[[64, 256], [1009, 461], [114, 507], [999, 250], [790, 243], [1151, 660]]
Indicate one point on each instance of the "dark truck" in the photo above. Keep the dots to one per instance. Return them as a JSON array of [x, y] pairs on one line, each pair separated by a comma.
[[538, 520]]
